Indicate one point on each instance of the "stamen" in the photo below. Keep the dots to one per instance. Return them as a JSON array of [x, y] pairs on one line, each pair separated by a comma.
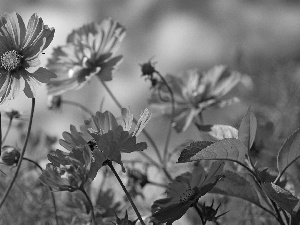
[[187, 195], [11, 60]]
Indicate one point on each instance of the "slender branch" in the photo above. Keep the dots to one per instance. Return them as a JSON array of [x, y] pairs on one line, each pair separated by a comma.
[[109, 163], [278, 217], [157, 184], [0, 133], [8, 129], [283, 171], [76, 104], [199, 213], [21, 157], [52, 194], [91, 205], [172, 117]]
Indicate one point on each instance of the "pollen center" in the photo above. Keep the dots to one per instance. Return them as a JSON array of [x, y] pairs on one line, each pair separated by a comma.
[[187, 195], [11, 60]]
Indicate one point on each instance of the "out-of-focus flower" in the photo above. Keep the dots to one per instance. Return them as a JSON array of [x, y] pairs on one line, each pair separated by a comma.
[[12, 114], [193, 93], [72, 171], [137, 180], [10, 155], [89, 51], [103, 133], [20, 48], [54, 102], [125, 221], [185, 191]]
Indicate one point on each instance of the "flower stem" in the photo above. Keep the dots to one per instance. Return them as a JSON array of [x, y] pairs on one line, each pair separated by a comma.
[[0, 133], [91, 205], [199, 213], [126, 192], [52, 194], [76, 104], [172, 117], [21, 157], [8, 129]]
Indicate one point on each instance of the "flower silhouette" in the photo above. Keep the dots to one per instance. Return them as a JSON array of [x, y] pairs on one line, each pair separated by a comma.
[[20, 48], [193, 93], [89, 51], [72, 171], [103, 133], [185, 191]]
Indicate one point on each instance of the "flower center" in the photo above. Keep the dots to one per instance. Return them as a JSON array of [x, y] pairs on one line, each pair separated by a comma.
[[11, 60], [187, 195]]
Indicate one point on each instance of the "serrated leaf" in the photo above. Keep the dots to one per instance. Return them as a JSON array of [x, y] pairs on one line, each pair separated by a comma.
[[236, 185], [280, 196], [226, 149], [218, 132], [192, 150], [247, 129], [289, 152]]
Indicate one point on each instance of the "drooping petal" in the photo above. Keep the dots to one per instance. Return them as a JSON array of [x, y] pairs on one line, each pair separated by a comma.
[[144, 119], [43, 75], [31, 84], [106, 68]]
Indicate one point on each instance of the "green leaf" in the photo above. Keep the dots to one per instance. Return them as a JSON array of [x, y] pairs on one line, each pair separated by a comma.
[[226, 149], [247, 129], [280, 196], [217, 132], [236, 185], [289, 152]]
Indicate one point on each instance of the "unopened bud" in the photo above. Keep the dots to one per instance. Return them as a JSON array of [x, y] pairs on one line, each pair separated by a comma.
[[10, 155], [54, 102]]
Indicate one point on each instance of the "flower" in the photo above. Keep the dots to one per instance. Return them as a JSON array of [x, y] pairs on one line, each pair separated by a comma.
[[103, 133], [185, 191], [89, 51], [54, 102], [72, 171], [20, 48], [194, 93], [10, 155]]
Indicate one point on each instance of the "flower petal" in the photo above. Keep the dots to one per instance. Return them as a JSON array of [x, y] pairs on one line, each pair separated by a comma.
[[43, 75]]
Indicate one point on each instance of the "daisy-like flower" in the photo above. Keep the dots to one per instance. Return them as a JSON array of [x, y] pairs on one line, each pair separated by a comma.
[[20, 48], [72, 171], [89, 51], [185, 191], [103, 133], [193, 93]]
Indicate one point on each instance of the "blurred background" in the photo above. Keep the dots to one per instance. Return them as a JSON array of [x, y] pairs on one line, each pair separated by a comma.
[[258, 38], [248, 36]]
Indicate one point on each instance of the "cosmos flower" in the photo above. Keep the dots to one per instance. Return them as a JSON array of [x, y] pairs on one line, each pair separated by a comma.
[[103, 133], [185, 191], [20, 48], [193, 93], [72, 171], [89, 51]]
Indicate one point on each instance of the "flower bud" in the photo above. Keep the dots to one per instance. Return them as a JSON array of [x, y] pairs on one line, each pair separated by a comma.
[[13, 114], [10, 155], [54, 102]]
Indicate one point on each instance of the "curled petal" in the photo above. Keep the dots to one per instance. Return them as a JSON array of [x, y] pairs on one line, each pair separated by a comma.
[[144, 119]]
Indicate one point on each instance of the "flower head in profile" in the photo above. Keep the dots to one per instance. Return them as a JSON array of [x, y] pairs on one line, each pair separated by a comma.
[[185, 191], [89, 51], [103, 133], [72, 171], [9, 155], [193, 93], [20, 48]]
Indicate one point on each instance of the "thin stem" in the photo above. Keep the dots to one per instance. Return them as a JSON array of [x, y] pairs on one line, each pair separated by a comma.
[[278, 217], [143, 131], [109, 163], [91, 205], [21, 156], [282, 172], [172, 117], [52, 194], [76, 104], [199, 213], [157, 184], [8, 129]]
